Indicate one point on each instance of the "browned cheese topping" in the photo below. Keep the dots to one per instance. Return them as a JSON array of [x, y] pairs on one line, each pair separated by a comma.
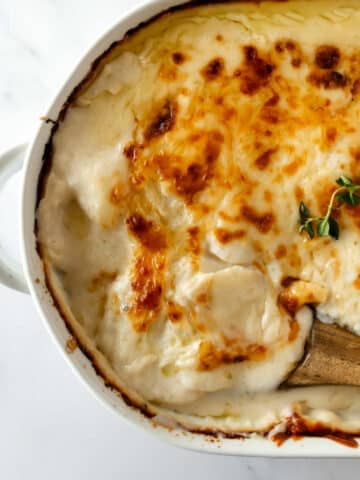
[[176, 176]]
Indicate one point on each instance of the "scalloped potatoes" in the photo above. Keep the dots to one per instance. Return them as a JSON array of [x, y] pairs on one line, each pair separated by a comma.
[[168, 223]]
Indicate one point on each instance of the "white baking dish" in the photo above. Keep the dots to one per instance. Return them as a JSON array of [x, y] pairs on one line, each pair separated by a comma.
[[34, 283]]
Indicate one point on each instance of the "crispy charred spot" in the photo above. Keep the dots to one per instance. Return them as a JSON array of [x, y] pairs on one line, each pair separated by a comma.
[[225, 236], [270, 115], [251, 84], [209, 356], [178, 58], [356, 154], [250, 53], [264, 159], [202, 298], [194, 240], [355, 89], [262, 221], [273, 101], [228, 114], [290, 45], [331, 134], [294, 50], [327, 57], [280, 251], [328, 80], [219, 37], [292, 167], [212, 356], [147, 289], [213, 69], [283, 45], [256, 72], [288, 302], [279, 46], [195, 137], [146, 232], [356, 283], [149, 298], [175, 312], [131, 151], [286, 45], [192, 179], [297, 427], [163, 121], [296, 62], [287, 281]]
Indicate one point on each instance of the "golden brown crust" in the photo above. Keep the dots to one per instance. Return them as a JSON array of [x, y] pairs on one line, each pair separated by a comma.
[[149, 235], [225, 236], [188, 182], [211, 356], [297, 427]]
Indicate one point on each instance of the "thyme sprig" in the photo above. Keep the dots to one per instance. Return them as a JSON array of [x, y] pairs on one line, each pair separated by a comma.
[[327, 226]]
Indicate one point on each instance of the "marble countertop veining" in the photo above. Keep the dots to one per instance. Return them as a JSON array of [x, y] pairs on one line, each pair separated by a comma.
[[50, 427]]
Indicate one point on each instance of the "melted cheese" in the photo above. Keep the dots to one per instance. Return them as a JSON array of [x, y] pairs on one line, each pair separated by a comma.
[[169, 219]]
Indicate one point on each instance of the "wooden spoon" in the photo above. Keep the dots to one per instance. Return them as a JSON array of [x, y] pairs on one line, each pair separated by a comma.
[[332, 357]]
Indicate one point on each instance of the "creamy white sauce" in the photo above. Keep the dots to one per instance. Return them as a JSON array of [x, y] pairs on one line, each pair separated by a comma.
[[230, 288]]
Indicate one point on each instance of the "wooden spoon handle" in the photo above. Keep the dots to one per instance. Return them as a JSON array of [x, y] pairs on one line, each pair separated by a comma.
[[333, 358]]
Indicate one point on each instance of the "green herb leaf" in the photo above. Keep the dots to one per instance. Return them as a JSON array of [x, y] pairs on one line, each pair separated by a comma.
[[304, 212], [343, 197], [347, 193], [309, 229], [344, 181], [355, 199], [306, 220], [349, 197], [323, 228], [334, 228]]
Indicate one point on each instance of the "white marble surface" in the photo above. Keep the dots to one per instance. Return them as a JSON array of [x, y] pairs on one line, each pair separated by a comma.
[[50, 427]]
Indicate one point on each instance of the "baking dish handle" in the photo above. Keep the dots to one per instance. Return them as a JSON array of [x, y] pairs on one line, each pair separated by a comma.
[[11, 273]]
